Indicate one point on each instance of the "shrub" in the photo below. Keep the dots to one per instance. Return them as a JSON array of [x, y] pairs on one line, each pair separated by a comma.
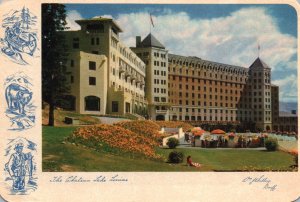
[[172, 143], [271, 144], [176, 157]]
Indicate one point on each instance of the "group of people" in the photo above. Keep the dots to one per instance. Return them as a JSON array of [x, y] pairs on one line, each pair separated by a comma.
[[244, 143], [188, 137]]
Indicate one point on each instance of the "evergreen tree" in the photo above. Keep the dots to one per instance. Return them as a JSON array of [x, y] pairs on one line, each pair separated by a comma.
[[54, 55]]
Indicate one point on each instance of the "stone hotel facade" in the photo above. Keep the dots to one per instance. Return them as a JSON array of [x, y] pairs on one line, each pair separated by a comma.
[[147, 81], [106, 76]]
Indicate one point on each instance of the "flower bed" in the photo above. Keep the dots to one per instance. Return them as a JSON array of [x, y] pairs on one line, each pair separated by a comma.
[[115, 139], [145, 128]]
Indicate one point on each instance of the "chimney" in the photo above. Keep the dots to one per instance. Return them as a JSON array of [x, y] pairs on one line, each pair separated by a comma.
[[138, 41]]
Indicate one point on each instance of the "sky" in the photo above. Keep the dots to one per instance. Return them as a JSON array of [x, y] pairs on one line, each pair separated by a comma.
[[222, 33]]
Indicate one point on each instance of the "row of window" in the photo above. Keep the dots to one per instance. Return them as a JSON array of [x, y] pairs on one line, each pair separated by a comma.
[[162, 73], [162, 90], [259, 74], [163, 82], [221, 104], [259, 81], [162, 64], [199, 88], [205, 103], [160, 99], [216, 76], [216, 111], [219, 68], [204, 118], [95, 41], [205, 81], [205, 96], [156, 54]]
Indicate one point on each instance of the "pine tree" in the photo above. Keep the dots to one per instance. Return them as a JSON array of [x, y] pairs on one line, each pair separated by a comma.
[[54, 56]]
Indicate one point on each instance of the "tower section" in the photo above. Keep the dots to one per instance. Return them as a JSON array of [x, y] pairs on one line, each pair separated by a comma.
[[260, 78], [155, 56]]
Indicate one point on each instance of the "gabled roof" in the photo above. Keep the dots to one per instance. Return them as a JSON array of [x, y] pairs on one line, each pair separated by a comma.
[[151, 41], [259, 63]]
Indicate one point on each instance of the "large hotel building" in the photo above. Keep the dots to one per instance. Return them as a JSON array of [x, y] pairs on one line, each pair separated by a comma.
[[147, 81]]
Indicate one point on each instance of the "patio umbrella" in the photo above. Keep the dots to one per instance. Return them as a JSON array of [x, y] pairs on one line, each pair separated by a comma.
[[199, 132], [196, 129], [217, 132]]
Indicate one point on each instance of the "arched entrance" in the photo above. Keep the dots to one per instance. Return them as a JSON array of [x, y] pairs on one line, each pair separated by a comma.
[[268, 128], [160, 118], [92, 103]]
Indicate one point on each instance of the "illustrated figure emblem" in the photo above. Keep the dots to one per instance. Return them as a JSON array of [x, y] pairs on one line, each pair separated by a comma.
[[18, 97], [21, 166], [20, 36]]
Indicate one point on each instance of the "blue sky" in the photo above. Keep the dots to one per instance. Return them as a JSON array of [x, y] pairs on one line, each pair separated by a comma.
[[285, 15], [223, 33]]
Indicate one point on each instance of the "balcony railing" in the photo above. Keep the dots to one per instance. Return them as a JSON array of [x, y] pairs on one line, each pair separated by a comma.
[[127, 73], [122, 69], [115, 35]]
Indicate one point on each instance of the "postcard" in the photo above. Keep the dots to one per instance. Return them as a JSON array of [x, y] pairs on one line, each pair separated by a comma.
[[149, 101]]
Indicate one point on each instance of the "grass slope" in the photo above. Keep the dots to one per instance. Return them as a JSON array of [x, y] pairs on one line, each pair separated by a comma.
[[69, 157]]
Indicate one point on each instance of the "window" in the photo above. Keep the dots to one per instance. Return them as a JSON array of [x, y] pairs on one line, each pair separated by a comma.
[[92, 103], [97, 41], [92, 81], [115, 106], [92, 41], [94, 28], [72, 63], [92, 65], [72, 79], [75, 43]]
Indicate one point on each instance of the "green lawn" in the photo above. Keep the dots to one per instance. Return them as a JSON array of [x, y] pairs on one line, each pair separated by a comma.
[[67, 157]]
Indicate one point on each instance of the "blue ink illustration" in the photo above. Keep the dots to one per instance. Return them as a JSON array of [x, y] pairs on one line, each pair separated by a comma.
[[18, 95], [20, 35], [21, 167]]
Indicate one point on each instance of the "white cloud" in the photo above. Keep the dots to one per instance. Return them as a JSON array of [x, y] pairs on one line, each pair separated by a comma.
[[232, 39], [287, 88], [72, 16]]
